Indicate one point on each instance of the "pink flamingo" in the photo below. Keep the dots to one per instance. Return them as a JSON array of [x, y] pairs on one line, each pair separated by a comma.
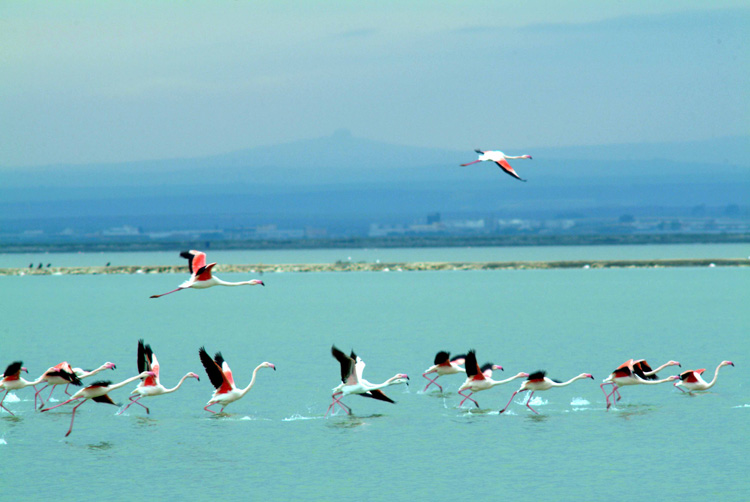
[[692, 380], [498, 158], [444, 365], [200, 274], [220, 376], [479, 379], [150, 386], [98, 391], [60, 374], [537, 381], [631, 372], [81, 373], [353, 383], [12, 381]]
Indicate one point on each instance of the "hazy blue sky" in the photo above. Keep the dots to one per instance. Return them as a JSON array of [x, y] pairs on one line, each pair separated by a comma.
[[113, 81]]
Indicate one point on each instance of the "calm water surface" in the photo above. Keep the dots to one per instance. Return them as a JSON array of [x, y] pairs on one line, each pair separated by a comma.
[[275, 442]]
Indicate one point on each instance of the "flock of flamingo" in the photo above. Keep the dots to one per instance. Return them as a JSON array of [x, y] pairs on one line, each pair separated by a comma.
[[632, 372]]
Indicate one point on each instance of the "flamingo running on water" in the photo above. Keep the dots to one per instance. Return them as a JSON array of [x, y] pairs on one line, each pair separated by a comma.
[[98, 391], [200, 274], [353, 383], [538, 381], [12, 381], [150, 386], [81, 373], [60, 374], [479, 379], [220, 376], [500, 159], [444, 365], [631, 372], [692, 380]]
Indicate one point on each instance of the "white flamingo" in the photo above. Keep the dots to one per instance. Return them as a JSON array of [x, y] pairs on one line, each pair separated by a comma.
[[200, 274], [444, 365], [12, 381], [538, 381], [630, 372], [221, 377], [478, 379], [500, 159], [692, 380]]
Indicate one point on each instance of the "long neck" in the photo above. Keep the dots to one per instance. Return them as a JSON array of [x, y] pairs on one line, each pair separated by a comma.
[[93, 372], [500, 382], [653, 382], [716, 374], [219, 282], [167, 391], [125, 382], [390, 381], [252, 381], [657, 370], [517, 157], [563, 384]]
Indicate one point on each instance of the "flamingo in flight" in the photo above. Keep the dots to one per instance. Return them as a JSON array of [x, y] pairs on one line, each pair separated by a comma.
[[12, 381], [221, 377], [150, 386], [60, 374], [444, 365], [631, 372], [480, 378], [98, 391], [81, 373], [500, 159], [200, 274], [692, 380], [353, 383], [538, 381]]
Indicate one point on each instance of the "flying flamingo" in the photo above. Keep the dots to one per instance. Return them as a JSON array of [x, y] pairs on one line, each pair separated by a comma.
[[200, 274], [98, 391], [692, 380], [81, 373], [444, 365], [12, 381], [537, 381], [631, 372], [498, 158], [221, 377], [480, 378], [151, 386], [56, 375], [353, 383]]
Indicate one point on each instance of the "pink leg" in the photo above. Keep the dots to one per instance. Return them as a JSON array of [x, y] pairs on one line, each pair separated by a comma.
[[683, 390], [510, 401], [1, 403], [206, 408], [133, 400], [37, 393], [58, 405], [467, 397], [337, 400], [528, 401], [66, 389], [606, 396], [432, 381], [73, 417], [469, 163]]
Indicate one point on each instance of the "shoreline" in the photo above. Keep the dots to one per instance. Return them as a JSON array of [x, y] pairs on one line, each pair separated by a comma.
[[261, 268]]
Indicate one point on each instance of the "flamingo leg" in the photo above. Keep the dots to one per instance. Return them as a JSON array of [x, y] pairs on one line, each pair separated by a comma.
[[470, 163], [510, 401], [606, 396], [37, 393], [432, 381], [58, 405], [529, 400], [66, 389], [3, 407], [337, 400], [467, 397], [73, 417], [206, 407], [683, 390], [133, 400], [164, 294]]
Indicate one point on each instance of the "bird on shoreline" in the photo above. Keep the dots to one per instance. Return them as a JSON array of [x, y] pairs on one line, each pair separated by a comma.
[[479, 379], [221, 378], [12, 381], [537, 381], [444, 365], [353, 383], [200, 275], [150, 386], [692, 380], [631, 372], [500, 159], [97, 391]]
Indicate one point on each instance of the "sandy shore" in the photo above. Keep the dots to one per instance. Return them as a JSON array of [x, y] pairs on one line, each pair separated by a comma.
[[384, 267]]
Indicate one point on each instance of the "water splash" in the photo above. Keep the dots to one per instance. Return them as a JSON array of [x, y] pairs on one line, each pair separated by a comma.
[[12, 398], [537, 401], [297, 416], [579, 401]]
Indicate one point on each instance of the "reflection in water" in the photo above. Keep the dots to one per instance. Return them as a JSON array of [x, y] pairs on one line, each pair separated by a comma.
[[632, 410], [12, 419], [103, 445], [146, 421], [537, 418], [350, 421]]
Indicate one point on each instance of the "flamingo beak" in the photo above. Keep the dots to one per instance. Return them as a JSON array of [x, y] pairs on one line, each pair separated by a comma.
[[591, 377], [273, 366], [24, 369]]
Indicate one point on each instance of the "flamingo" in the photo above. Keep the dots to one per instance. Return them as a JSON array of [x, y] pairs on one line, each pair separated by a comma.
[[98, 391], [200, 274], [631, 372], [59, 374], [12, 381], [692, 380], [444, 365], [481, 378], [81, 373], [151, 386], [221, 377], [353, 383], [537, 381], [498, 158]]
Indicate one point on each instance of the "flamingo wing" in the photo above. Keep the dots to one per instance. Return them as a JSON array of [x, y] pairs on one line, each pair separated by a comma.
[[472, 367], [641, 367], [348, 373], [213, 369], [442, 358], [537, 376], [13, 369], [204, 273], [104, 399], [503, 164], [459, 359], [196, 259], [486, 370], [65, 375], [378, 394]]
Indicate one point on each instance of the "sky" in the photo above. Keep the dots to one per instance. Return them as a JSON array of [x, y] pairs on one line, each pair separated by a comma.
[[97, 82]]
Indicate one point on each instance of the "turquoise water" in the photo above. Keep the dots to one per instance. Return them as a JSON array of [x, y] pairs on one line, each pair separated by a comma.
[[275, 442]]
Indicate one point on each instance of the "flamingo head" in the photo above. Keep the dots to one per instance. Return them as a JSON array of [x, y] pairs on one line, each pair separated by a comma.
[[674, 363], [525, 156], [23, 368], [401, 378], [193, 375], [522, 375], [109, 366], [723, 363], [255, 282], [497, 367], [587, 375], [148, 374], [673, 377], [268, 365]]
